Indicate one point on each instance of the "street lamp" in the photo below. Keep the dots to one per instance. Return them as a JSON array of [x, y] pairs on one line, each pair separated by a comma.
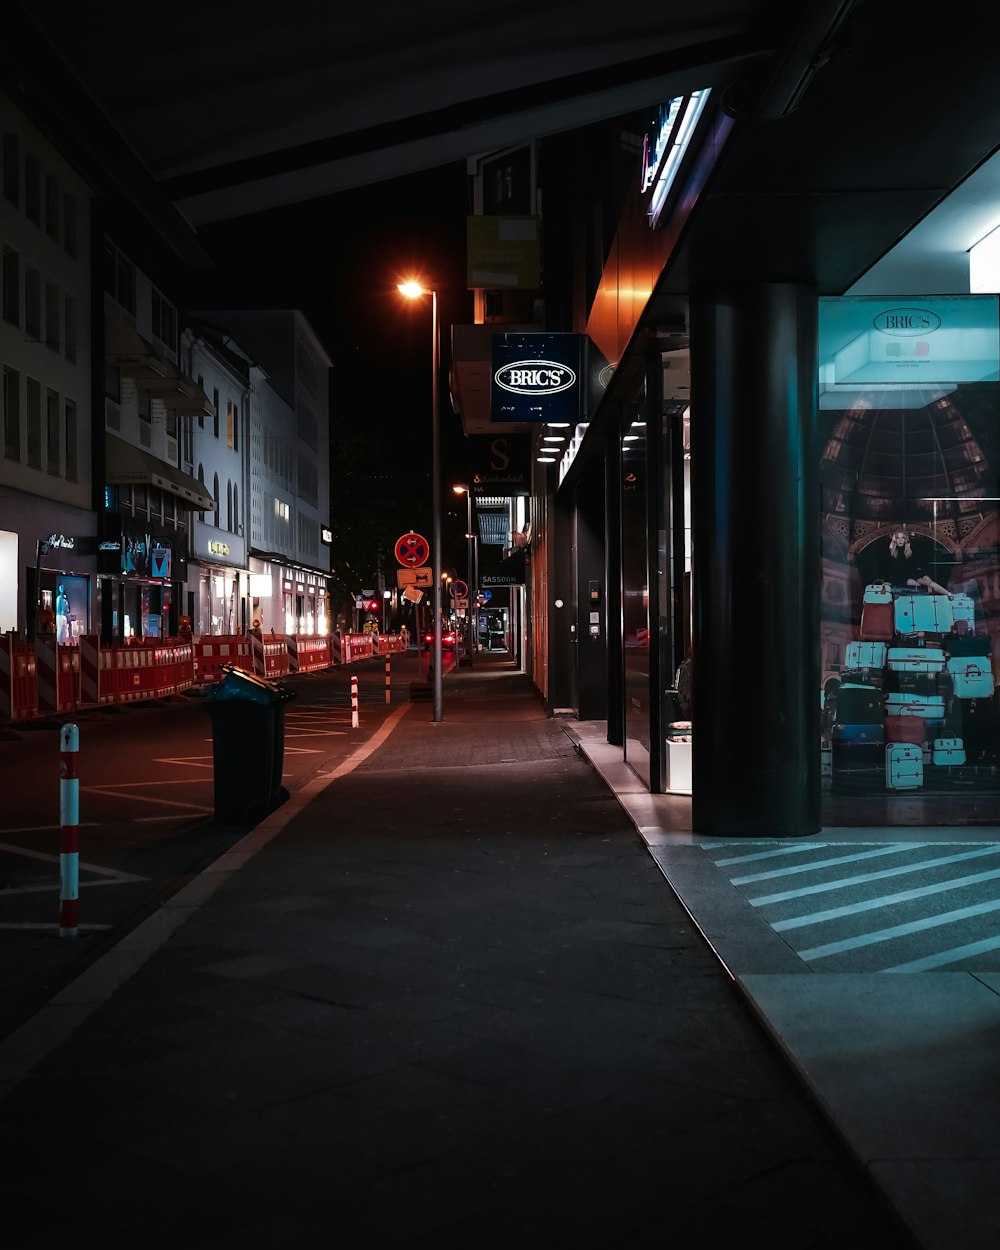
[[415, 290], [471, 573], [386, 596]]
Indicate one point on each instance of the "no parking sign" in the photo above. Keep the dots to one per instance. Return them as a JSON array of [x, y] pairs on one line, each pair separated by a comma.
[[412, 550]]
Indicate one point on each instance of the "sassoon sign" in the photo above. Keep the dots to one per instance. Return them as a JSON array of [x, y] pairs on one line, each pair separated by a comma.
[[535, 377]]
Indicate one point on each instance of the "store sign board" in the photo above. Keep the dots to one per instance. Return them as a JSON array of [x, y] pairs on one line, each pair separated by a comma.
[[501, 465], [535, 377], [908, 341]]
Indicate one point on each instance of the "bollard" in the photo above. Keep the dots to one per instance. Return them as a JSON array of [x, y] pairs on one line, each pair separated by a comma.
[[69, 831], [388, 679], [354, 701]]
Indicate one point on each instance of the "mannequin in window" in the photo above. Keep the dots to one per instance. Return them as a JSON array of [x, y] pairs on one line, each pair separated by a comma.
[[62, 615]]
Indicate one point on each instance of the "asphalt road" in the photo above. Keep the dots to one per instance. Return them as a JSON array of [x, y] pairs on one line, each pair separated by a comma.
[[146, 821]]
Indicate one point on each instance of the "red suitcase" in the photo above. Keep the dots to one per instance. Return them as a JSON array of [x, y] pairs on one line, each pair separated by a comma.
[[878, 622], [909, 729]]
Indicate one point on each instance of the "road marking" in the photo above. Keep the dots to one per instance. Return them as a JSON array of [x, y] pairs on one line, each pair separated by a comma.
[[899, 930], [798, 849], [941, 958], [825, 887], [891, 849], [111, 792], [27, 925]]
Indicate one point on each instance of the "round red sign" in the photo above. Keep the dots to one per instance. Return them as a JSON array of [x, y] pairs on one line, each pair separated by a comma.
[[412, 550]]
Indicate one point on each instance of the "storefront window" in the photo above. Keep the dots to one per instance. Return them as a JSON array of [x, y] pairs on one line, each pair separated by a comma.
[[635, 597], [910, 622]]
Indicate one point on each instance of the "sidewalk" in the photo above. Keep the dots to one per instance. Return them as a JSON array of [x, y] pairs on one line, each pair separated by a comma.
[[442, 997]]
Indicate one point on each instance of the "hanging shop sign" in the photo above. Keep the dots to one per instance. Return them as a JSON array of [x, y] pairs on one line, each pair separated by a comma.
[[536, 377], [501, 465]]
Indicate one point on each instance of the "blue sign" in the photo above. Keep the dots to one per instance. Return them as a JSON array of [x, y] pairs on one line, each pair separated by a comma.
[[486, 595], [536, 378]]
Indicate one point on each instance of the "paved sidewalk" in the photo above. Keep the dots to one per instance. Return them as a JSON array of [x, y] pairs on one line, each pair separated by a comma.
[[444, 997]]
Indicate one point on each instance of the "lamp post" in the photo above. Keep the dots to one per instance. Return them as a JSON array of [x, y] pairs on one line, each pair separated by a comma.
[[414, 290], [386, 596], [472, 608]]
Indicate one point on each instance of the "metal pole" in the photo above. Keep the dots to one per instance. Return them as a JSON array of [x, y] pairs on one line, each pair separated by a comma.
[[470, 591], [69, 830], [436, 525]]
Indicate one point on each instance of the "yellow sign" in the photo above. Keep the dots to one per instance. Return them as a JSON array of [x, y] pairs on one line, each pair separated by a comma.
[[415, 577]]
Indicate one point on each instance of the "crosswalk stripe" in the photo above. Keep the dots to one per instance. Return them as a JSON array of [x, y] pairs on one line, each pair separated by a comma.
[[891, 849], [899, 930], [940, 958], [796, 848], [825, 887], [887, 900]]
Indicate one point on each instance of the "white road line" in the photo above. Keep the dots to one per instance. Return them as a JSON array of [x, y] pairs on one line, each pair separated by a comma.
[[940, 958], [149, 820], [34, 927], [899, 930], [828, 863], [825, 887], [887, 900], [795, 848], [109, 792]]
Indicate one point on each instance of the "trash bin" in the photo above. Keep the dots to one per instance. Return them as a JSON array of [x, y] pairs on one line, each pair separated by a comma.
[[248, 744]]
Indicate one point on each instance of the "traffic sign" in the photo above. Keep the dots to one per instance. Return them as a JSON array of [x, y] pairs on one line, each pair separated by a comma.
[[486, 595], [458, 590], [415, 577], [412, 550], [412, 594]]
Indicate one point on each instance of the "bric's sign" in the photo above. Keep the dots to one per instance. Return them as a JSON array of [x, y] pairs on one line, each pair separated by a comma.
[[907, 322], [535, 377]]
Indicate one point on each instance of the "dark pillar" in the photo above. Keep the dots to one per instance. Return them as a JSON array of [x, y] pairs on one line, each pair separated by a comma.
[[755, 501], [613, 548], [591, 650]]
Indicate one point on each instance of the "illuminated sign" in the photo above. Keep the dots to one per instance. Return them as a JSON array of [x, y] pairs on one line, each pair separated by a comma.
[[907, 322], [326, 534], [664, 147], [218, 549], [535, 377]]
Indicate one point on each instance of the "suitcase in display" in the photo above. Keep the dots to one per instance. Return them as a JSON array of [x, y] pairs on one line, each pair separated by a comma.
[[857, 764], [968, 644], [897, 682], [949, 751], [878, 592], [863, 677], [906, 729], [971, 677], [923, 614], [863, 655], [877, 622], [930, 707], [916, 659], [862, 733], [904, 767], [859, 705], [975, 722], [963, 612]]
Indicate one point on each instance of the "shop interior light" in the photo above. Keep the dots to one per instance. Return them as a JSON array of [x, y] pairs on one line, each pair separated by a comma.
[[554, 438], [630, 438], [984, 264], [557, 425], [545, 459]]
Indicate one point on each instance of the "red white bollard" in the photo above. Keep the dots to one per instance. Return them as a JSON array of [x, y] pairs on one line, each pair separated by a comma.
[[69, 831], [354, 701], [388, 679]]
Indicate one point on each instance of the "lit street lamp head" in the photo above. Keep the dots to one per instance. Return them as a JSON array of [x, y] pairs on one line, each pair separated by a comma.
[[411, 289]]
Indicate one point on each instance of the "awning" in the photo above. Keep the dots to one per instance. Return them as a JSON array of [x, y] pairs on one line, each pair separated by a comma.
[[127, 465], [139, 360]]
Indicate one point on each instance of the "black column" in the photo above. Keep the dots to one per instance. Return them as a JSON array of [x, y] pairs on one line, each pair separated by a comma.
[[755, 505], [613, 578]]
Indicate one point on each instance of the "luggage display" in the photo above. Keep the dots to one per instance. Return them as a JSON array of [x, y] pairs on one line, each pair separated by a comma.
[[923, 614], [904, 767], [916, 659], [878, 592], [877, 621], [963, 611], [863, 677], [948, 751], [863, 733], [859, 705], [856, 763], [906, 729], [930, 707], [862, 655], [968, 644], [971, 677]]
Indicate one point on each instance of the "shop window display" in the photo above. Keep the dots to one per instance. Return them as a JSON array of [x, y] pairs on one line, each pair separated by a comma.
[[910, 622]]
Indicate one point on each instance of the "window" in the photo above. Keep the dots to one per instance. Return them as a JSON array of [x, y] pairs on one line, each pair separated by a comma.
[[12, 169], [230, 420], [144, 408], [164, 321], [69, 224], [201, 479], [215, 405], [52, 315], [69, 309], [33, 405], [119, 277], [70, 414], [113, 382], [33, 188], [11, 286], [237, 529], [229, 506], [52, 431], [33, 303], [215, 496], [11, 414], [201, 416], [52, 204]]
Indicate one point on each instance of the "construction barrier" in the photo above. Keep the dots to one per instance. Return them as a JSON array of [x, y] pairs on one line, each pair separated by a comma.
[[389, 644], [213, 652], [308, 653], [358, 647], [18, 696], [270, 655]]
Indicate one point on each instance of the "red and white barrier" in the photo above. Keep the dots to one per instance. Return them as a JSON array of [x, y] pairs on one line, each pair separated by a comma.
[[69, 831], [47, 675], [354, 701], [90, 669], [212, 652]]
